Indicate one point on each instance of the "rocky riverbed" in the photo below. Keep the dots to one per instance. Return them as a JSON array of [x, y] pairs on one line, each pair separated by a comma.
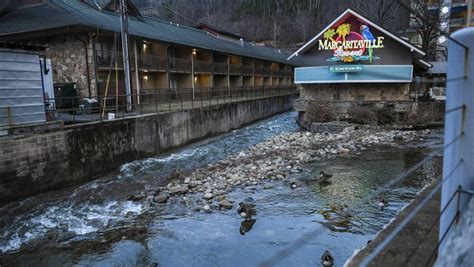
[[279, 159]]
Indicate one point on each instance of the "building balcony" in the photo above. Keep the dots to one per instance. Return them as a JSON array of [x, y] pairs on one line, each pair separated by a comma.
[[289, 72], [179, 65], [203, 67], [267, 71], [107, 59], [279, 73], [258, 71], [220, 68], [247, 70], [235, 69], [149, 62]]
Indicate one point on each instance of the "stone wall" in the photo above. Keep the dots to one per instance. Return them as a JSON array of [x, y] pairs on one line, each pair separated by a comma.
[[403, 112], [68, 59], [36, 162], [356, 91]]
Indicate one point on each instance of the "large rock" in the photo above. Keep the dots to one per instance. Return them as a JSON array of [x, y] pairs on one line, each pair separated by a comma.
[[137, 197], [161, 198], [206, 208], [208, 196], [177, 190], [225, 204]]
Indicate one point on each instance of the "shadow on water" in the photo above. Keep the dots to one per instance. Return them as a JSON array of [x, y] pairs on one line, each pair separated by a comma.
[[73, 230]]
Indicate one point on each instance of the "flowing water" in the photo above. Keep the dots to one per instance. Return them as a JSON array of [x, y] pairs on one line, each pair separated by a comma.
[[95, 225]]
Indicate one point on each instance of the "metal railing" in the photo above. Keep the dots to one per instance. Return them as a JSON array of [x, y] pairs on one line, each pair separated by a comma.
[[179, 65], [247, 70], [258, 70], [220, 68], [203, 67], [77, 109], [150, 62], [105, 59], [235, 69]]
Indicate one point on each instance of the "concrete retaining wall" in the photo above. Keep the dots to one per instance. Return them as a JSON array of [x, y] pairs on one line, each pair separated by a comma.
[[39, 162]]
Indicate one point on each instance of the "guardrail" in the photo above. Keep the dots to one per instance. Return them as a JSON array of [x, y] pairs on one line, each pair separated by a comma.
[[76, 109]]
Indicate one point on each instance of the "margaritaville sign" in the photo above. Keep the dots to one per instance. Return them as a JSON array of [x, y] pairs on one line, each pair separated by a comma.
[[349, 45]]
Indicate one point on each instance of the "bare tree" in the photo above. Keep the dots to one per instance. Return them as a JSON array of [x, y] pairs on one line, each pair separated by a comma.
[[426, 26]]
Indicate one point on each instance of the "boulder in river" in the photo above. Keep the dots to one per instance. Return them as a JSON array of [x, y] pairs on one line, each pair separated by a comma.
[[206, 208], [161, 198], [208, 196], [225, 204], [137, 197], [178, 190]]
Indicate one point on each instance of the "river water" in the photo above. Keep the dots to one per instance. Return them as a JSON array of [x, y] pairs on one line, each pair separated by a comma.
[[95, 225]]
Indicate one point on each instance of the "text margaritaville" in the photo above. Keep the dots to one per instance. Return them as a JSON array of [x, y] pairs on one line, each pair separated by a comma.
[[350, 44]]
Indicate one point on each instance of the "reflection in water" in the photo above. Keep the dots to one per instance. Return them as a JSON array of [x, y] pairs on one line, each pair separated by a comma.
[[338, 218], [246, 226], [324, 183]]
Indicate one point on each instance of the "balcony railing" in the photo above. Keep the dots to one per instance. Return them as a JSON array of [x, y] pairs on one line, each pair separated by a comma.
[[247, 70], [235, 69], [179, 65], [107, 59], [157, 100], [150, 62], [203, 67], [220, 68]]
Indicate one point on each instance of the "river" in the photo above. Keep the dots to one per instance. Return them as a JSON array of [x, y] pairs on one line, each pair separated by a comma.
[[95, 225]]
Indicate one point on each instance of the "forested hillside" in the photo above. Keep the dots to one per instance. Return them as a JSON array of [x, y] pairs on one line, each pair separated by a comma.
[[282, 23]]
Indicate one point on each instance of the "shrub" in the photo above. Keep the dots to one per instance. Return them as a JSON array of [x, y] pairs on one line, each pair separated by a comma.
[[319, 113], [361, 115]]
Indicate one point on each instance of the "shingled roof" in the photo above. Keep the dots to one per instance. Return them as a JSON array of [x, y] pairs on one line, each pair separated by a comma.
[[57, 14]]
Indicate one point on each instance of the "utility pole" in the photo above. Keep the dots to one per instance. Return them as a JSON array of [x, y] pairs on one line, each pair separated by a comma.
[[126, 66]]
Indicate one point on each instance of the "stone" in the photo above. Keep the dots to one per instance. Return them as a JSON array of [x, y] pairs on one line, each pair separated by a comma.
[[161, 198], [344, 150], [200, 176], [206, 208], [267, 186], [137, 197], [208, 196], [178, 190], [225, 204]]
